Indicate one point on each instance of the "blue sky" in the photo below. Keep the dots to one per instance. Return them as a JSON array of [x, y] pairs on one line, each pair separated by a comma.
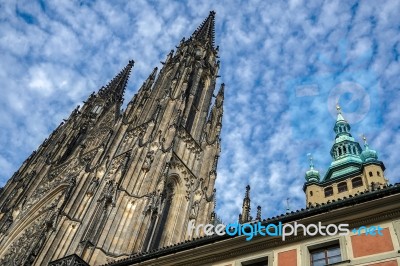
[[284, 63]]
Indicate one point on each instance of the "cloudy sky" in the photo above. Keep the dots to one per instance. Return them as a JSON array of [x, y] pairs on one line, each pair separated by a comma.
[[284, 63]]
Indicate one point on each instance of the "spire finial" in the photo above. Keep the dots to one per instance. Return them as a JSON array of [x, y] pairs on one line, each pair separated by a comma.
[[310, 158], [245, 216], [247, 191], [339, 113], [338, 109], [258, 217], [365, 141]]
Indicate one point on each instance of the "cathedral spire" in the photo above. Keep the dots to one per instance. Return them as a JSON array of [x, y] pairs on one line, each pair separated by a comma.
[[114, 91], [206, 31], [245, 216]]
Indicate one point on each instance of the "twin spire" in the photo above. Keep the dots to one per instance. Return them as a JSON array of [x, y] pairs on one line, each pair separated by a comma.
[[114, 91]]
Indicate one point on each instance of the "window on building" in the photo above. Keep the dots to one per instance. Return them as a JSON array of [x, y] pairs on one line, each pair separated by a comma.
[[342, 187], [328, 191], [356, 182], [370, 173], [97, 109], [326, 255], [311, 193], [378, 173], [256, 262]]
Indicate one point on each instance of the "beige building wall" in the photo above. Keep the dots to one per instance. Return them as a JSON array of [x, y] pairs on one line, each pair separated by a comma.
[[315, 193]]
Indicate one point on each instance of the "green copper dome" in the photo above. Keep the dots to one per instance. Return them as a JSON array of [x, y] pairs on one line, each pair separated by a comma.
[[368, 155], [312, 175]]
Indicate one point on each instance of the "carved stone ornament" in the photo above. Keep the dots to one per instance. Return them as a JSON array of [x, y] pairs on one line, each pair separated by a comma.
[[194, 210], [191, 144], [116, 164], [109, 193], [148, 161], [26, 247], [6, 222], [93, 185], [71, 260], [96, 138]]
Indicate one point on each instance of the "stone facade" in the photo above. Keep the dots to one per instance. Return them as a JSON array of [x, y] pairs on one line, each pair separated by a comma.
[[106, 183]]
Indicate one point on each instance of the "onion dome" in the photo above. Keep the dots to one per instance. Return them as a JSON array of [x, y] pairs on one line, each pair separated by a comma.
[[368, 154], [312, 175]]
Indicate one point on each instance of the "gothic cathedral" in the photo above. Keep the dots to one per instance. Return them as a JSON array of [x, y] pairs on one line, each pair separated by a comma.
[[109, 183]]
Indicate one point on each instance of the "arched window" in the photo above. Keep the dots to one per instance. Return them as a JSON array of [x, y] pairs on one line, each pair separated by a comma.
[[164, 216], [73, 144], [340, 151], [356, 182], [354, 150], [370, 174], [328, 191], [311, 193], [97, 109], [342, 187], [344, 149], [171, 215], [378, 173]]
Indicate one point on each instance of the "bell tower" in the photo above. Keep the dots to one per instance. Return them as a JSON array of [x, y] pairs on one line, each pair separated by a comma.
[[107, 184], [352, 170]]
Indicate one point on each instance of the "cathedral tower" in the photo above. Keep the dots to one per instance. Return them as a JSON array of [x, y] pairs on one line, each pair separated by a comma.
[[106, 184]]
